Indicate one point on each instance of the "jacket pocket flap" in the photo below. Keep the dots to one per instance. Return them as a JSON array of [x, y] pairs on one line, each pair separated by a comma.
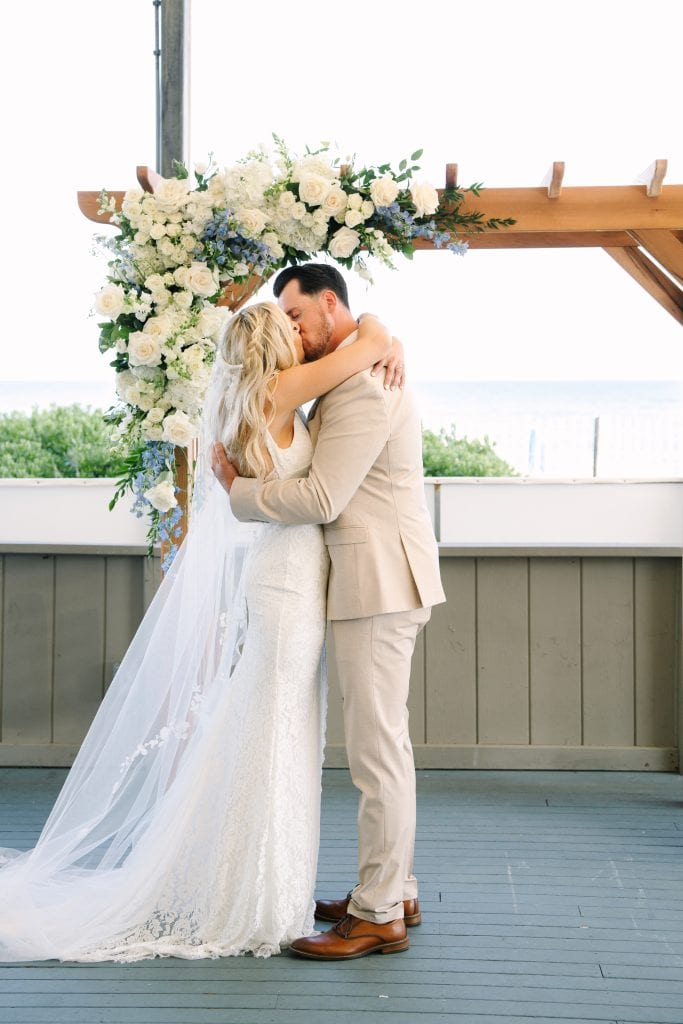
[[346, 535]]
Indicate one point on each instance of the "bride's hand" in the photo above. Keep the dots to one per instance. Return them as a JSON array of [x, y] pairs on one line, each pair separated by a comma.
[[224, 470], [394, 372]]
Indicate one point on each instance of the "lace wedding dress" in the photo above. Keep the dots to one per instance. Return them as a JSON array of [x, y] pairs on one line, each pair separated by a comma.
[[189, 823]]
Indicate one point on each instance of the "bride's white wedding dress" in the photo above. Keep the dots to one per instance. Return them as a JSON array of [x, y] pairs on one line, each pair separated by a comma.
[[189, 823]]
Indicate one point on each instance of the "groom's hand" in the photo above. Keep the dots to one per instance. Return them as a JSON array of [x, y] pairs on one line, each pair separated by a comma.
[[223, 469]]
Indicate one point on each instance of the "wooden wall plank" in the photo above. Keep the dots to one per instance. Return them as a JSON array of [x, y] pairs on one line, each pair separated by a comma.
[[451, 658], [503, 650], [79, 644], [2, 632], [608, 659], [124, 580], [656, 586], [555, 650], [28, 650]]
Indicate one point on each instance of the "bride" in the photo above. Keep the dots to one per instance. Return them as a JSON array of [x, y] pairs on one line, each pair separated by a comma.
[[188, 825]]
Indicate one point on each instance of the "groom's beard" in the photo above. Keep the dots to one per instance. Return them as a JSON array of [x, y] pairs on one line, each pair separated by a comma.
[[315, 344]]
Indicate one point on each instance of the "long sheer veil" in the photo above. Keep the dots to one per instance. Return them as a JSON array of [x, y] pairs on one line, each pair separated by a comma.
[[77, 887]]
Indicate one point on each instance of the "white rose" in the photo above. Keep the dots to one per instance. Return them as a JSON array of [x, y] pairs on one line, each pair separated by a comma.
[[343, 243], [384, 190], [352, 218], [158, 326], [110, 301], [173, 230], [132, 395], [201, 280], [313, 188], [155, 415], [157, 231], [334, 202], [183, 300], [188, 242], [287, 200], [193, 357], [145, 402], [143, 349], [170, 193], [271, 240], [162, 496], [124, 380], [367, 209], [179, 429], [425, 197], [314, 164], [154, 282], [252, 221], [165, 246], [210, 322], [298, 211], [180, 277], [355, 200], [152, 432], [240, 270]]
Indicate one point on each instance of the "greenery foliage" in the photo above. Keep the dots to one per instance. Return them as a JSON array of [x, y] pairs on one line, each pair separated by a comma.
[[72, 441], [444, 454], [62, 441]]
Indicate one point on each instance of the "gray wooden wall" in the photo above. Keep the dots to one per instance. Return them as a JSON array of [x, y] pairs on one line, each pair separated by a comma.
[[555, 658]]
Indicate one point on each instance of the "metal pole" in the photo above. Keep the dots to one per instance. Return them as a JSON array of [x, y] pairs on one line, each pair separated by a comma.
[[156, 4], [174, 104]]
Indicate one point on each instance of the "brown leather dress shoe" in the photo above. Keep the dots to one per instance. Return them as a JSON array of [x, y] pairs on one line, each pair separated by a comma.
[[351, 938], [335, 910]]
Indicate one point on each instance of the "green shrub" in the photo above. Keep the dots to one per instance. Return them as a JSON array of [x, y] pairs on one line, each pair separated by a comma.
[[62, 441], [444, 454]]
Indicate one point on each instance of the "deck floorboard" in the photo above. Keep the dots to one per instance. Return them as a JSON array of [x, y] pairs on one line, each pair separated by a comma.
[[548, 898]]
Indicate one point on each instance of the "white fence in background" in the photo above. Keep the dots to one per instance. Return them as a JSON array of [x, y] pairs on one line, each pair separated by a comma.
[[606, 446]]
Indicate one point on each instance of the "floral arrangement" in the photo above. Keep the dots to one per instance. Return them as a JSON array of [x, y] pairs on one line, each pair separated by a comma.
[[179, 247]]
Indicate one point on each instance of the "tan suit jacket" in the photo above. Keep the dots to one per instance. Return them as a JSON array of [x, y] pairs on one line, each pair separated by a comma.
[[366, 485]]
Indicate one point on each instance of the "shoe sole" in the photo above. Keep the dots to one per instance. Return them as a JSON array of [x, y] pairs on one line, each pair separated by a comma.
[[389, 947], [410, 922]]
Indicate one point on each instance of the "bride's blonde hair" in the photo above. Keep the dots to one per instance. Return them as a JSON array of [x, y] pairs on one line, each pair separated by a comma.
[[257, 344]]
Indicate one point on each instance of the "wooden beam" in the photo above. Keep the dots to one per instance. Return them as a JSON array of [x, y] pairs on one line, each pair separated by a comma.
[[591, 208], [651, 278], [148, 179], [578, 209], [652, 177], [666, 248], [509, 238], [553, 179]]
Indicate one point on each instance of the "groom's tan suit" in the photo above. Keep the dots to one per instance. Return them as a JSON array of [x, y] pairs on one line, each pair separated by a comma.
[[366, 486]]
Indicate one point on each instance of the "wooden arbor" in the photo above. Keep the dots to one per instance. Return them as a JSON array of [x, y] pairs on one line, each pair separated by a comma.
[[640, 226]]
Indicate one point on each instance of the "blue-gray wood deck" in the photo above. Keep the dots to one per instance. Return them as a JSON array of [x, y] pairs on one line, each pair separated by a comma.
[[547, 897]]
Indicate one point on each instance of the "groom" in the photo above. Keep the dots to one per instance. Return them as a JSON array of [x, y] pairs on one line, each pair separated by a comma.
[[366, 486]]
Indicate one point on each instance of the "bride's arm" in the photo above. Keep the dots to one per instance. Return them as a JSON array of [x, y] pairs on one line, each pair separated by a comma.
[[299, 384]]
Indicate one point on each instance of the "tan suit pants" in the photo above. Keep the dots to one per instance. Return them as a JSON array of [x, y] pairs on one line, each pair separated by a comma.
[[373, 658]]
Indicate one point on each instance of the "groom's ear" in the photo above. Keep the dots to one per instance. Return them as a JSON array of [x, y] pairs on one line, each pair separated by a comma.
[[330, 300]]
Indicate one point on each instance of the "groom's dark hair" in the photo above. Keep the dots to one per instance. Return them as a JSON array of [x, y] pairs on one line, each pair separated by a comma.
[[313, 278]]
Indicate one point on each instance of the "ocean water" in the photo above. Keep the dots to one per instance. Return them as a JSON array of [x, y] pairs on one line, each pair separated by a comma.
[[605, 428]]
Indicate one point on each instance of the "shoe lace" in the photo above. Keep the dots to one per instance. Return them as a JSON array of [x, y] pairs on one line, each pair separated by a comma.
[[345, 926]]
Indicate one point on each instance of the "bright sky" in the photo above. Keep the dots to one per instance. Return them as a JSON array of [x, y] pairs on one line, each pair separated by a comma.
[[502, 89]]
